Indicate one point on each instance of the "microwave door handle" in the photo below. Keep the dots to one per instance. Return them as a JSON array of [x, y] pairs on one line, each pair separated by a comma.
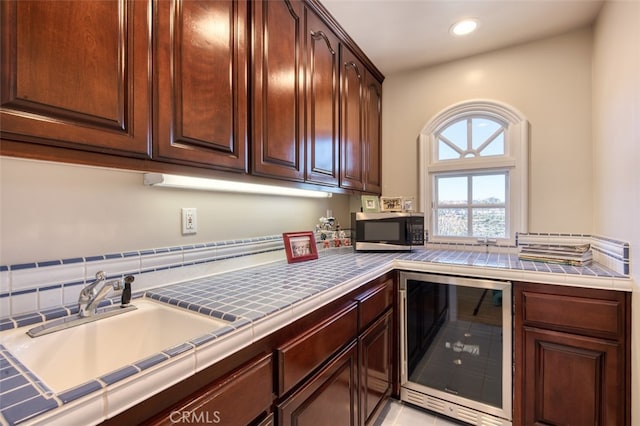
[[407, 231]]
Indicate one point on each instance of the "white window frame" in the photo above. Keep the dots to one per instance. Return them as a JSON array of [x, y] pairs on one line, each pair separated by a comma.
[[514, 162]]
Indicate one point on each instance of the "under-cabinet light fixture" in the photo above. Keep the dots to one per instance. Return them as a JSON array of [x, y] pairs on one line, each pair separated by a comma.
[[206, 184]]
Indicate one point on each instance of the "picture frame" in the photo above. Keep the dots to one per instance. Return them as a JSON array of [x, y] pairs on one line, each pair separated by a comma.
[[300, 246], [391, 204], [408, 204], [370, 203]]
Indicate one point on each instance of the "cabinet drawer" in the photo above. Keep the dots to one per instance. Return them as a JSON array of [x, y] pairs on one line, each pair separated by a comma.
[[220, 401], [374, 302], [598, 313], [301, 355]]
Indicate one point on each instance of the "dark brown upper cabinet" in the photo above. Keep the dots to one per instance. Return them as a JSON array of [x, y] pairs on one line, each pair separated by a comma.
[[75, 74], [323, 102], [200, 83], [361, 121], [273, 88], [352, 121], [278, 89], [373, 136]]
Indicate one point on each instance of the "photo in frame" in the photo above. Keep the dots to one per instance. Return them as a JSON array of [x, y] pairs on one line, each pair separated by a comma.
[[370, 203], [300, 246], [391, 204], [408, 204]]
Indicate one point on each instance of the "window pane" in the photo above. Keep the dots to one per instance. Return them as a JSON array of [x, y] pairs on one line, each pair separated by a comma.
[[496, 147], [457, 134], [489, 222], [489, 189], [445, 152], [481, 130], [452, 222], [454, 206], [452, 190]]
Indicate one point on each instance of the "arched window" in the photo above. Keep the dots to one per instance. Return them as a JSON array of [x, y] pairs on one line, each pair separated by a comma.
[[473, 173]]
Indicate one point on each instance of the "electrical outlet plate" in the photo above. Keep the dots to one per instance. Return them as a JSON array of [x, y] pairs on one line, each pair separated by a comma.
[[189, 221]]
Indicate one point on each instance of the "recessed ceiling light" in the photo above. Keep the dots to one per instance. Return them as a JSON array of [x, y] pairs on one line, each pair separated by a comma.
[[464, 27]]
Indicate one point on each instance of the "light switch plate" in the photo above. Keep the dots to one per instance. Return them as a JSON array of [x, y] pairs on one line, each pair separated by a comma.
[[189, 221]]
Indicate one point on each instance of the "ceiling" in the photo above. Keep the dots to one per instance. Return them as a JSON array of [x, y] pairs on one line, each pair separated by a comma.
[[404, 34]]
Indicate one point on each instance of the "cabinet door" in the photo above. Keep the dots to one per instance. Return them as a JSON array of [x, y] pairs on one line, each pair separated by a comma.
[[76, 74], [373, 136], [323, 102], [571, 380], [329, 398], [352, 133], [278, 85], [375, 367], [201, 82]]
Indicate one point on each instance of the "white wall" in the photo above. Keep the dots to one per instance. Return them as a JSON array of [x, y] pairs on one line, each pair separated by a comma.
[[549, 81], [55, 211], [616, 136]]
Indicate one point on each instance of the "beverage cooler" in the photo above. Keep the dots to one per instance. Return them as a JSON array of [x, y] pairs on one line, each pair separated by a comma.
[[456, 346]]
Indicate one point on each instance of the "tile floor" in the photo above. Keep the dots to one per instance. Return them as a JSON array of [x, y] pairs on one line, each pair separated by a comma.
[[397, 413]]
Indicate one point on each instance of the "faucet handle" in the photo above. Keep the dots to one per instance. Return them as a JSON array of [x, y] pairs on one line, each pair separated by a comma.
[[89, 290]]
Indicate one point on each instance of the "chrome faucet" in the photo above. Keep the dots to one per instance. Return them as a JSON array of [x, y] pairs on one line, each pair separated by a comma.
[[91, 296], [486, 241], [88, 301]]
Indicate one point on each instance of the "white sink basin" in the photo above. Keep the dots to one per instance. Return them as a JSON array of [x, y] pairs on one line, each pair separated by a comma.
[[70, 357]]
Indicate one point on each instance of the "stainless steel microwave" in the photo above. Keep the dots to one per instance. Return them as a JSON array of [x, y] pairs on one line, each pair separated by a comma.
[[387, 231]]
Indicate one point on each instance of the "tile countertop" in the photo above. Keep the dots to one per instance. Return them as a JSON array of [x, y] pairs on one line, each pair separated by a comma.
[[258, 301]]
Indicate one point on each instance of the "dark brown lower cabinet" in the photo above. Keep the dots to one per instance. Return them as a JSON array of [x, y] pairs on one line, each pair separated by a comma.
[[571, 356], [240, 398], [334, 366], [576, 379], [353, 385], [329, 398], [375, 367]]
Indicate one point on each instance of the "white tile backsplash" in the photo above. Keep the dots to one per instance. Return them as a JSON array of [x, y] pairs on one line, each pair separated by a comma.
[[112, 267], [200, 254], [4, 281], [70, 293], [5, 306], [613, 254], [30, 278], [22, 303], [41, 285], [161, 260], [49, 298]]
